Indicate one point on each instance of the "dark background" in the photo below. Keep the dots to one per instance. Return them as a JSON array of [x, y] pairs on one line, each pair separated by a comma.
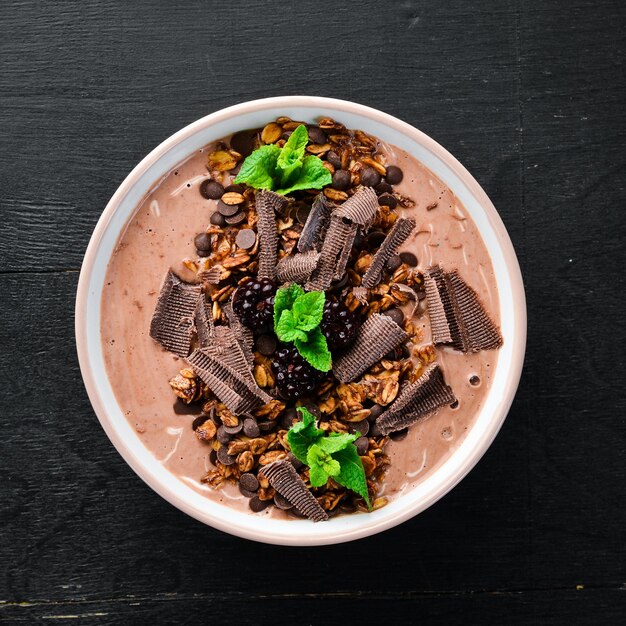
[[529, 96]]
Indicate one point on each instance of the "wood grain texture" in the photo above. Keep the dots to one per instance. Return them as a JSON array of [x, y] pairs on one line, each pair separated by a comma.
[[529, 96]]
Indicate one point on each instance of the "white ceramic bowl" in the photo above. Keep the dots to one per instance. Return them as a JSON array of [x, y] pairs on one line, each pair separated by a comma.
[[254, 114]]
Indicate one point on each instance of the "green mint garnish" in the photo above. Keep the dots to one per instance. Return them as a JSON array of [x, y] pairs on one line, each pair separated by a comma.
[[285, 169], [328, 456], [297, 319]]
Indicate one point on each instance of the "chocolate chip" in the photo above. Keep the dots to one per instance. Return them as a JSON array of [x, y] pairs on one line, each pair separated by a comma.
[[399, 435], [394, 263], [238, 218], [217, 219], [317, 135], [222, 436], [257, 505], [198, 421], [235, 188], [362, 427], [288, 417], [375, 411], [251, 428], [266, 426], [281, 502], [249, 482], [302, 214], [455, 405], [346, 506], [297, 463], [383, 187], [287, 134], [266, 345], [409, 258], [375, 238], [211, 189], [246, 238], [224, 458], [370, 177], [334, 159], [375, 431], [227, 209], [181, 408], [362, 444], [243, 142], [203, 253], [245, 493], [421, 294], [213, 457], [342, 180], [386, 199], [396, 315], [394, 175], [233, 430], [202, 241], [474, 380], [313, 409]]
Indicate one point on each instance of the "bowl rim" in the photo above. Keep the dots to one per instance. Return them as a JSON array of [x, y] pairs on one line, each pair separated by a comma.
[[250, 529]]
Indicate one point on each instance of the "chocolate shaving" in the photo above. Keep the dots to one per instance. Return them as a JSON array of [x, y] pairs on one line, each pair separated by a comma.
[[172, 322], [378, 335], [297, 268], [394, 239], [316, 224], [338, 233], [284, 478], [417, 401], [243, 333], [267, 203], [210, 276], [360, 209], [457, 316], [232, 387], [203, 318], [344, 256]]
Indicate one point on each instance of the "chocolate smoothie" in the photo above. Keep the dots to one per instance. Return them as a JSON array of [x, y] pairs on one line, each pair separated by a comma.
[[160, 237]]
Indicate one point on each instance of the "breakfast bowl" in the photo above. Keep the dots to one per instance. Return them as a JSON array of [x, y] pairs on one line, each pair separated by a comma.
[[126, 436]]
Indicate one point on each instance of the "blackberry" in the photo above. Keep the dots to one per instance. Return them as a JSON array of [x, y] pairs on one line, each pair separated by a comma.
[[253, 303], [339, 325], [295, 377]]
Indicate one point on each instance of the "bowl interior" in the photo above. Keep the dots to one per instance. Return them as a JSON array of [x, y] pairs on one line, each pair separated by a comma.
[[254, 114]]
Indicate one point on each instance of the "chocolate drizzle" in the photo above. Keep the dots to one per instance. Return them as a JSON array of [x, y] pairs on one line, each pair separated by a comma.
[[172, 323], [378, 335], [417, 401]]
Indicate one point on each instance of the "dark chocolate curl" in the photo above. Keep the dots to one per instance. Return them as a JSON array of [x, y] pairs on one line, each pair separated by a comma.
[[417, 401], [376, 337], [267, 204], [172, 322], [398, 234], [359, 209], [297, 268], [284, 478], [316, 225]]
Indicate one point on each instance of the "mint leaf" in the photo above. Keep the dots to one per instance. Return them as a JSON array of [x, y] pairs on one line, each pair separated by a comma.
[[285, 297], [259, 168], [291, 156], [303, 434], [287, 330], [312, 175], [336, 442], [308, 310], [321, 465], [315, 350], [352, 474]]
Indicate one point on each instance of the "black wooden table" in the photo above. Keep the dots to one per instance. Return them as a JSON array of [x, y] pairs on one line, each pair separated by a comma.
[[530, 97]]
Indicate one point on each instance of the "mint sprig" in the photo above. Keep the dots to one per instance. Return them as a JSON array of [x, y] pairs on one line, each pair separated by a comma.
[[285, 169], [297, 319], [328, 456]]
